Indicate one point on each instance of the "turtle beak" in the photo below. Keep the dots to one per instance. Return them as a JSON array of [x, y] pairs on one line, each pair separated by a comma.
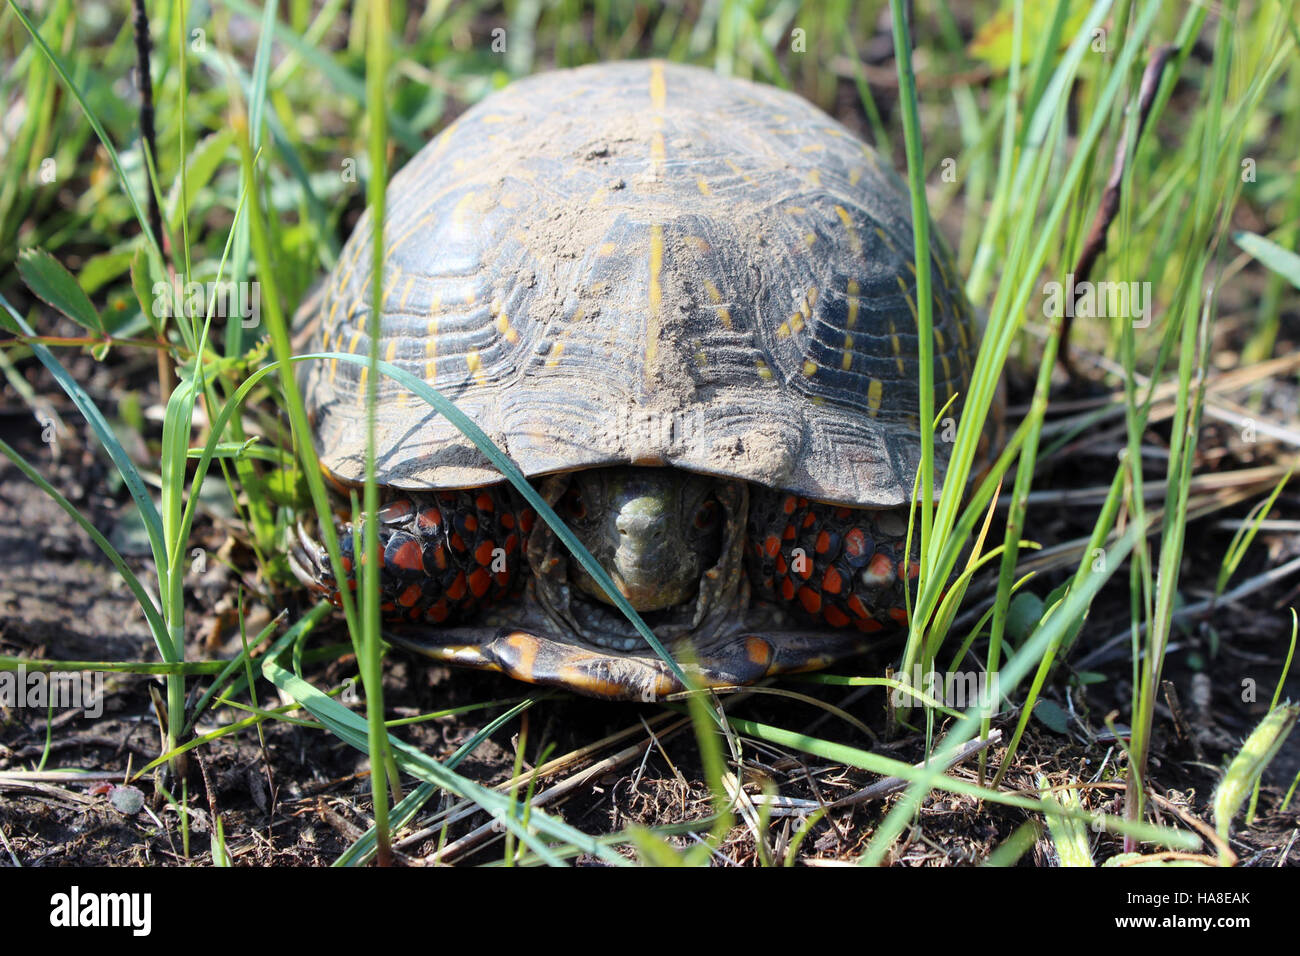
[[645, 563], [636, 530]]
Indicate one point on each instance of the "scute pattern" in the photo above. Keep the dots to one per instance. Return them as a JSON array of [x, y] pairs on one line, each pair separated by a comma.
[[644, 263]]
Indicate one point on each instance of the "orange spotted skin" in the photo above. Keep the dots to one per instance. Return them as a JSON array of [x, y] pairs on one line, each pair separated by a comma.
[[830, 565], [469, 574], [447, 555], [450, 554]]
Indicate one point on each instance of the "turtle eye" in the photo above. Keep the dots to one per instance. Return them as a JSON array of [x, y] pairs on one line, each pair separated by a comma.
[[707, 517], [573, 503]]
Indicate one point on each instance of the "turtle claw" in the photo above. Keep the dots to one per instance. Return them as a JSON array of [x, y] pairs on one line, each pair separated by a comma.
[[308, 560], [310, 564]]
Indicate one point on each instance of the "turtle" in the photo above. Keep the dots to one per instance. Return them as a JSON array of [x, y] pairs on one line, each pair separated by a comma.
[[685, 306]]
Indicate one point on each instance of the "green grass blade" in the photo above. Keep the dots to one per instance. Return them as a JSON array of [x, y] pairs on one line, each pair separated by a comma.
[[1282, 261], [104, 432], [1255, 755]]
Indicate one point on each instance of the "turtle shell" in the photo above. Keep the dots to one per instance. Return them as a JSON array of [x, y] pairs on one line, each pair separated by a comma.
[[643, 263]]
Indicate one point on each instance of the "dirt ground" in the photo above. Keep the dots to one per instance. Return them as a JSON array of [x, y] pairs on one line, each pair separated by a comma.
[[305, 798]]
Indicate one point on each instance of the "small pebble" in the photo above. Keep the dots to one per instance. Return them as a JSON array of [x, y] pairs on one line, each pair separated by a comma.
[[126, 800]]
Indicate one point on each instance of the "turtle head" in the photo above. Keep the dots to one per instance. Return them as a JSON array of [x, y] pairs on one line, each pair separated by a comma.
[[655, 530]]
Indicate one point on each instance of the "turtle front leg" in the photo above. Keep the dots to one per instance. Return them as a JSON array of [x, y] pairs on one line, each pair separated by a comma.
[[833, 565], [446, 554]]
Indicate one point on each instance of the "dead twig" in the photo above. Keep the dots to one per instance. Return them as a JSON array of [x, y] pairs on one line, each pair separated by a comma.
[[889, 785], [148, 137], [1095, 244]]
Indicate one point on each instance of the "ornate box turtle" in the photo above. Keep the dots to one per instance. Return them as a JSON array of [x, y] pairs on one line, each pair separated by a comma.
[[685, 306]]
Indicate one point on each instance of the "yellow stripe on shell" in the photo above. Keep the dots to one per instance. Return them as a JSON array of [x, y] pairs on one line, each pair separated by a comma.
[[474, 362], [738, 171], [656, 294], [897, 346], [658, 88], [790, 326], [715, 296], [460, 211], [346, 274], [504, 328], [962, 334], [855, 241], [390, 280], [875, 391], [431, 351]]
